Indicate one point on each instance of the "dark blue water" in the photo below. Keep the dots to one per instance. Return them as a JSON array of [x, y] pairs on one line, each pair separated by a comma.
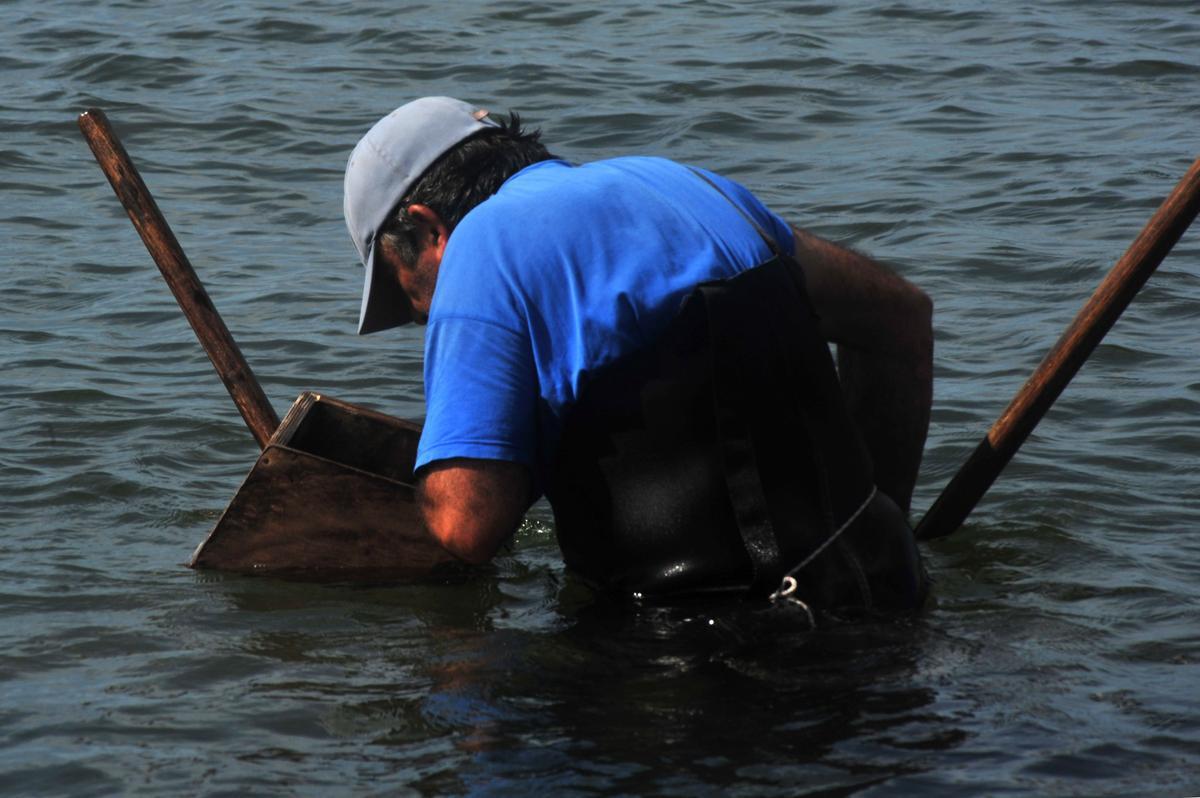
[[1000, 155]]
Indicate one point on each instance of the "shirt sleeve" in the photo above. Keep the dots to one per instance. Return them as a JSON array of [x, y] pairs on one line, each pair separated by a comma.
[[480, 393]]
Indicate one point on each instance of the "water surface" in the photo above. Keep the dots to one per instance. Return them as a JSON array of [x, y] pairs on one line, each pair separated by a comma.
[[1001, 156]]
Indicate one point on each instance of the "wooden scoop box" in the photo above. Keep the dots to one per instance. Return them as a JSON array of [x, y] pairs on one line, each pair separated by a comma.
[[331, 494]]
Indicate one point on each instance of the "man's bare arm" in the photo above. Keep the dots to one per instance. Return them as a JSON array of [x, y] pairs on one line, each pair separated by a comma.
[[472, 506], [883, 327]]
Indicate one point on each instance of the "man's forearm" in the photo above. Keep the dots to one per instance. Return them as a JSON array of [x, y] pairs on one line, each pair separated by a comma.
[[889, 397], [883, 328], [472, 506]]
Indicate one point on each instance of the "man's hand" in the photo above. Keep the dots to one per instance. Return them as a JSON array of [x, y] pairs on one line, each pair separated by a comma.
[[883, 327], [472, 506]]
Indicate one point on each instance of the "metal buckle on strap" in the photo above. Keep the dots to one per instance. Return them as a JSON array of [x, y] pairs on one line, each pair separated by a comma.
[[788, 586], [785, 594]]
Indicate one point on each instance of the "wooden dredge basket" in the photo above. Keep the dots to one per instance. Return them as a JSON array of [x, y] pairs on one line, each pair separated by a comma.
[[331, 495]]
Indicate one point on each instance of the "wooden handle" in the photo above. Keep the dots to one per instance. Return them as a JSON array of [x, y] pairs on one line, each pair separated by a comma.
[[1110, 299], [185, 285]]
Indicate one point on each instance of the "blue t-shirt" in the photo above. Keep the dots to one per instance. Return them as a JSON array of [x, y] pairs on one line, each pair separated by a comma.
[[566, 269]]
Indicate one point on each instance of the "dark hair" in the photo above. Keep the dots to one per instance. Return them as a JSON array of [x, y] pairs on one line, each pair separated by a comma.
[[461, 178]]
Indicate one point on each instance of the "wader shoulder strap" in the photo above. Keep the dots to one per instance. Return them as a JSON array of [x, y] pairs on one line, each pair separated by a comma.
[[734, 436], [747, 384], [736, 440], [774, 247]]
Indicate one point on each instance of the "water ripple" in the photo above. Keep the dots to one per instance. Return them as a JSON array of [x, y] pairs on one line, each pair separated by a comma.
[[1000, 157]]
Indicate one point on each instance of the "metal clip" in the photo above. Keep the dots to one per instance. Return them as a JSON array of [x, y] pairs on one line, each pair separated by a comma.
[[786, 588]]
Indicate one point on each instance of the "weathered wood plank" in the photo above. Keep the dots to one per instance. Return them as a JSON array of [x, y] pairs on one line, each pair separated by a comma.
[[305, 511]]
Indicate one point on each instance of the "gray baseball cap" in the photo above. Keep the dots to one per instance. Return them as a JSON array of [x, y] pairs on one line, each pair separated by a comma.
[[385, 164]]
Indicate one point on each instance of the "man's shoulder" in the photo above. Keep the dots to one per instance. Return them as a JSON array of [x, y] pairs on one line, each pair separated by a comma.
[[564, 195], [556, 197], [557, 178], [554, 212]]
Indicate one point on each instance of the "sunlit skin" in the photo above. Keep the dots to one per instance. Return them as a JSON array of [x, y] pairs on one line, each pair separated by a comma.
[[470, 506], [881, 323]]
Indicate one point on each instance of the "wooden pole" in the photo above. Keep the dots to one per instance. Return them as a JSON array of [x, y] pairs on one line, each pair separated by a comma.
[[1095, 319], [180, 276]]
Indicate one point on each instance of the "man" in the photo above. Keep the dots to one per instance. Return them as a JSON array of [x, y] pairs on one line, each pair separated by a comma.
[[634, 339]]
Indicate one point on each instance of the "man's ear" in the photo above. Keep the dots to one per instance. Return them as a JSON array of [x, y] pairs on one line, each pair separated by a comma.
[[433, 230]]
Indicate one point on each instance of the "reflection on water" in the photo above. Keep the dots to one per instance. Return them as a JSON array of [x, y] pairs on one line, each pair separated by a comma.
[[691, 695]]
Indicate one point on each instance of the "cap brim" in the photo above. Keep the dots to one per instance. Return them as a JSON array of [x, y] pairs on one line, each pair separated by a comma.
[[384, 304]]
